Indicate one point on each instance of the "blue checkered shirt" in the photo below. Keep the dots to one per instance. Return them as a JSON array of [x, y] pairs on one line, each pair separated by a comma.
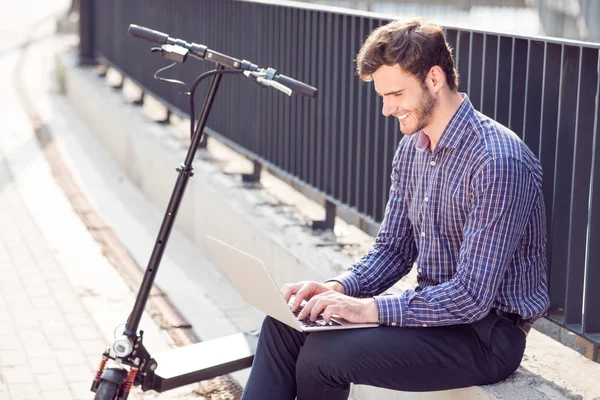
[[471, 215]]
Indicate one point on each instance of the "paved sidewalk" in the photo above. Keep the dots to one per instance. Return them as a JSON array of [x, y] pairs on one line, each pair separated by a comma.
[[48, 342], [60, 299]]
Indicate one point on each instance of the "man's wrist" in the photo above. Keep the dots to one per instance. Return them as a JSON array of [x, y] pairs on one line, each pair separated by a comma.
[[335, 286], [374, 310]]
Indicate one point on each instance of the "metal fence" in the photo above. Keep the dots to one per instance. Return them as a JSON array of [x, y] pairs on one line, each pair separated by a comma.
[[341, 145]]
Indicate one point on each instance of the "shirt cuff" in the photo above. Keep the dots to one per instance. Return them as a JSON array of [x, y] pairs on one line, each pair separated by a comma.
[[389, 309], [350, 282]]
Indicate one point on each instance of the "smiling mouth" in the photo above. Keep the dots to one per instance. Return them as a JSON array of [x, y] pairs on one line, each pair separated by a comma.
[[402, 117]]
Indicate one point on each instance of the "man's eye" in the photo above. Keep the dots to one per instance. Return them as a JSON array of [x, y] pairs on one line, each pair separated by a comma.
[[397, 94]]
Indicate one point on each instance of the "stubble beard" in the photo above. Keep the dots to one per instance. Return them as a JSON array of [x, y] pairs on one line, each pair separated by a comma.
[[422, 114]]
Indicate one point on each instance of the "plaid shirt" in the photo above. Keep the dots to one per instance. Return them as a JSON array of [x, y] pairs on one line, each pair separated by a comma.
[[471, 214]]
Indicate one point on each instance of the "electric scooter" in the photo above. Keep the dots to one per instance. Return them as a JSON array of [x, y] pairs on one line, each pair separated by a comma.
[[131, 363]]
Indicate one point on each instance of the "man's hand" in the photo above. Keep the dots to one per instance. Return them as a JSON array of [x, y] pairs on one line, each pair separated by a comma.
[[305, 290], [350, 308]]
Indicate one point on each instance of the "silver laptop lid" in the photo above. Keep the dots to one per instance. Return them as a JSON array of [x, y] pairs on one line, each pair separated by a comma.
[[253, 282]]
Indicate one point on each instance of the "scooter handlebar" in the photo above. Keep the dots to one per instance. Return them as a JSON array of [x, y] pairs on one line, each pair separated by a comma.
[[148, 34], [296, 86], [200, 50]]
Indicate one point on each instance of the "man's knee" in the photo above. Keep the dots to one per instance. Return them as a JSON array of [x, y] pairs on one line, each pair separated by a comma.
[[269, 324], [319, 362]]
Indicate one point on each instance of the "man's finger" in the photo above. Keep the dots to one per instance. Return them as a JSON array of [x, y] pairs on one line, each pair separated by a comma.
[[332, 309], [319, 306], [290, 289], [303, 294], [307, 307]]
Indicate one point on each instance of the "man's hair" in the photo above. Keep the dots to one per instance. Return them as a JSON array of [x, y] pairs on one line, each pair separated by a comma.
[[416, 46]]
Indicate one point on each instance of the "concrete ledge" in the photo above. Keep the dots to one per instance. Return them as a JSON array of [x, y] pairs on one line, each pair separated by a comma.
[[270, 222]]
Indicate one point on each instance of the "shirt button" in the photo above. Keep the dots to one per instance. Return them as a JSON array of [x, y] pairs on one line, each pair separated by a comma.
[[423, 234], [419, 270], [393, 324], [426, 199], [432, 162]]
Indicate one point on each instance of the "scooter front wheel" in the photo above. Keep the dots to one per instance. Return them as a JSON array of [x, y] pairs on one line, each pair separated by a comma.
[[107, 390]]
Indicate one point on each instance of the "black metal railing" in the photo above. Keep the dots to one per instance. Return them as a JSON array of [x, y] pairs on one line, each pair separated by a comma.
[[545, 90]]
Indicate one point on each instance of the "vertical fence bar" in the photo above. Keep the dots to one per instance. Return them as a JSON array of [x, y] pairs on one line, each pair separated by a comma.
[[591, 311], [359, 131], [580, 187], [504, 80], [346, 67], [336, 110], [533, 96], [548, 128], [329, 72], [287, 128], [519, 84], [296, 70], [488, 86], [352, 123], [308, 115], [366, 181], [562, 178], [463, 57], [476, 69]]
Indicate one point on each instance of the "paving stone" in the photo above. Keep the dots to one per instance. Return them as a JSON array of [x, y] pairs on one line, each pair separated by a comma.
[[21, 391], [6, 327], [16, 374], [11, 358], [51, 382], [63, 343], [81, 390], [78, 319], [44, 302], [43, 350], [85, 333], [69, 357], [93, 347], [43, 365], [9, 343], [31, 336], [78, 373], [55, 327], [37, 291], [4, 391], [49, 315], [59, 395]]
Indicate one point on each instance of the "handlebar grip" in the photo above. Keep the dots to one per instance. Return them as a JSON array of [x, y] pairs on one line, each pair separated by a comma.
[[296, 86], [147, 34]]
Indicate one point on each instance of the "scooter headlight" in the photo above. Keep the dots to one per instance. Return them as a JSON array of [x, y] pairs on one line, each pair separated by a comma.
[[122, 346]]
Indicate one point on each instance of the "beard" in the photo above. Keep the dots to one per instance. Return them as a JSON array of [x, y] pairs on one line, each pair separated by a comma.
[[422, 113]]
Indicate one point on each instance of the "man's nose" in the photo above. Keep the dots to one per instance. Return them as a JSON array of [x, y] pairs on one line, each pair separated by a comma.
[[389, 108]]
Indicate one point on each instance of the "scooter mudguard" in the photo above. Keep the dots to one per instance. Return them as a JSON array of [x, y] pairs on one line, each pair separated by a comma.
[[115, 375]]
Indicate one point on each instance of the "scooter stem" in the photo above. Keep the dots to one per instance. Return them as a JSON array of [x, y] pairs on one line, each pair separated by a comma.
[[185, 172]]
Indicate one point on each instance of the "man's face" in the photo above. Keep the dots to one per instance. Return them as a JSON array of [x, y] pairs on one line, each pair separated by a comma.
[[404, 97]]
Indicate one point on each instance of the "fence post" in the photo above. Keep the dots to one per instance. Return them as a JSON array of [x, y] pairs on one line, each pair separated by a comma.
[[86, 33]]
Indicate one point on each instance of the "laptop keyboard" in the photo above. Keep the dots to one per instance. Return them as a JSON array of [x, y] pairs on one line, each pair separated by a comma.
[[307, 323]]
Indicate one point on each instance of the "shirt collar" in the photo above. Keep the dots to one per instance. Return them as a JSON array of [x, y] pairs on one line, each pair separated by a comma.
[[453, 133]]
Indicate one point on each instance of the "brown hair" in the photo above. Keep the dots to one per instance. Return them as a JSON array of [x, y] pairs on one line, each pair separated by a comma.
[[416, 46]]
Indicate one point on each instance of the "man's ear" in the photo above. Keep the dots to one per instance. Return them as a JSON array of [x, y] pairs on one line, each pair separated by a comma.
[[436, 78]]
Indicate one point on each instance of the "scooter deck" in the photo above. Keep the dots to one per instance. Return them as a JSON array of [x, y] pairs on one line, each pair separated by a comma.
[[204, 360]]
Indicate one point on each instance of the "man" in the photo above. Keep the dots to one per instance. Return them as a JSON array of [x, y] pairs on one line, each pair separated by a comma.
[[466, 206]]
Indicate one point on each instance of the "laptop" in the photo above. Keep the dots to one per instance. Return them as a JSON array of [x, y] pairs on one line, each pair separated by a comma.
[[255, 285]]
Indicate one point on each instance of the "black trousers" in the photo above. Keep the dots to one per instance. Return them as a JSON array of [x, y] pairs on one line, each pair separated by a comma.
[[321, 365]]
